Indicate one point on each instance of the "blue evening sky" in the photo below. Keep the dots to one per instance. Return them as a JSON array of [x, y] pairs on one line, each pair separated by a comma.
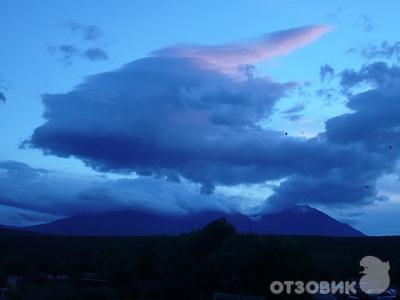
[[130, 30]]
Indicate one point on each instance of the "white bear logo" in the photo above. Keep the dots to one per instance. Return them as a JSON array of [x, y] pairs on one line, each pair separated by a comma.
[[376, 278]]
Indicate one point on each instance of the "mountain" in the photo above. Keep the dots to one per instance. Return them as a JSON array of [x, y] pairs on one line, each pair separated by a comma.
[[11, 231], [132, 223], [297, 220], [303, 220]]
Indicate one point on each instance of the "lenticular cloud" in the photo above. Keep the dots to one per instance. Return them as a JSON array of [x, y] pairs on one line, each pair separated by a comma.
[[228, 57]]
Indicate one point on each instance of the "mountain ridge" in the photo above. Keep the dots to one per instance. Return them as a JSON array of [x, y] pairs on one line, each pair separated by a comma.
[[299, 220]]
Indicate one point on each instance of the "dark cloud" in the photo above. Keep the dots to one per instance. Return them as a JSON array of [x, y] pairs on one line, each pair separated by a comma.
[[295, 109], [303, 89], [179, 118], [362, 137], [67, 53], [385, 50], [374, 122], [335, 14], [88, 32], [5, 84], [3, 98], [294, 118], [351, 51], [331, 189], [328, 94], [292, 113], [29, 195], [326, 72], [366, 23], [64, 53], [376, 74], [163, 116], [356, 214], [19, 169], [96, 53], [31, 218]]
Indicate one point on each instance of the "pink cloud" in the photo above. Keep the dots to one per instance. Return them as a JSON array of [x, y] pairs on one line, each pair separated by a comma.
[[230, 56]]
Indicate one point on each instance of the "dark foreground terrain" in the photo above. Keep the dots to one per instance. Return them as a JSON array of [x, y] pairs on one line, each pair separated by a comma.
[[190, 266]]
